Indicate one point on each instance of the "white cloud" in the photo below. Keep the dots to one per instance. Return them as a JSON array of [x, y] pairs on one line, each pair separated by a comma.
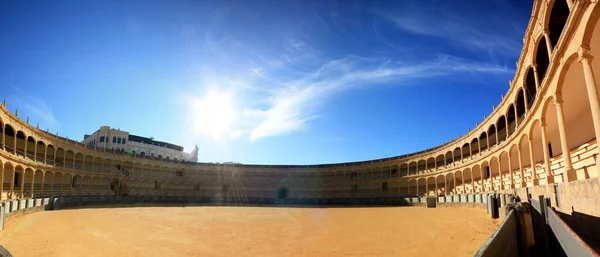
[[296, 102], [34, 107]]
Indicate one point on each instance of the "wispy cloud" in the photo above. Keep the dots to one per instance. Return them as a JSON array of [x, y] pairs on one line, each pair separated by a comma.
[[33, 107], [280, 88], [472, 33]]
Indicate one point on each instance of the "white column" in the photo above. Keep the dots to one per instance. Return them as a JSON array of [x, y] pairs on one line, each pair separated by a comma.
[[532, 159], [548, 42], [568, 174], [549, 178], [585, 58]]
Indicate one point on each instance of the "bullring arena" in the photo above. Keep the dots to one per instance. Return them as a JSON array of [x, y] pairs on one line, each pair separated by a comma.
[[540, 140]]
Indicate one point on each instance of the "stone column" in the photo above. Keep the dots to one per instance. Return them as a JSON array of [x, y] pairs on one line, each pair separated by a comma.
[[585, 58], [1, 181], [32, 183], [549, 178], [532, 159], [445, 186], [22, 191], [42, 187], [454, 181], [12, 184], [569, 173], [548, 42], [51, 193], [4, 138], [500, 172], [570, 4], [426, 187], [510, 171], [46, 153], [537, 81], [35, 151]]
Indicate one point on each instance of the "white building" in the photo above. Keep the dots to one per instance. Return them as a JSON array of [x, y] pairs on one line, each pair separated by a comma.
[[116, 139]]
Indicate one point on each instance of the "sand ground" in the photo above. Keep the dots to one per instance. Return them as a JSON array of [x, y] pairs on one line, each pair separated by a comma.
[[249, 231]]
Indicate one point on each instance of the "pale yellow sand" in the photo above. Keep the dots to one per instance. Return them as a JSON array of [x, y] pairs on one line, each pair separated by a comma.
[[249, 231]]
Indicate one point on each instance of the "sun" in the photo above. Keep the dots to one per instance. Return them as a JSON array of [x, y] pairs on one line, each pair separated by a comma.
[[213, 114]]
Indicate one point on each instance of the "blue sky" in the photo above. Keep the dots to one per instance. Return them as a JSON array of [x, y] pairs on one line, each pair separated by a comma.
[[273, 82]]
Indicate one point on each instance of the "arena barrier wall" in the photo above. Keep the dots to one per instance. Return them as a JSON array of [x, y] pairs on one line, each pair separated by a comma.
[[531, 228]]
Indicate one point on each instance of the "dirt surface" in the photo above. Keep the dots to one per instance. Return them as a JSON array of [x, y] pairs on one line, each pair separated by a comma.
[[249, 231]]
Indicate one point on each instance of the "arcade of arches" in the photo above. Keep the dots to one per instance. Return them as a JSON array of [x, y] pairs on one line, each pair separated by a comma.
[[544, 131]]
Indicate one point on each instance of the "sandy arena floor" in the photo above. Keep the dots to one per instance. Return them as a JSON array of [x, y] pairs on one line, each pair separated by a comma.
[[249, 231]]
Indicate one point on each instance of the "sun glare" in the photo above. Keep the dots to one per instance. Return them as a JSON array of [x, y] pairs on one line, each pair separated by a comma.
[[213, 114]]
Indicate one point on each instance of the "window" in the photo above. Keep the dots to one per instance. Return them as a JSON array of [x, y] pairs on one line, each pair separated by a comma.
[[114, 139], [143, 154], [123, 140], [550, 149], [101, 139], [118, 140], [152, 154], [384, 186]]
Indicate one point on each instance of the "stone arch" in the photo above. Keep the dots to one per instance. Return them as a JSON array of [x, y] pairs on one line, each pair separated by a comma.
[[69, 159], [421, 164], [10, 134], [440, 185], [20, 146], [475, 146], [542, 60], [492, 135], [504, 170], [448, 157], [50, 154], [79, 161], [439, 160], [520, 105], [556, 19], [412, 167], [483, 141], [511, 116], [430, 163], [30, 148], [404, 169], [88, 163], [466, 150], [458, 175], [41, 151], [476, 179]]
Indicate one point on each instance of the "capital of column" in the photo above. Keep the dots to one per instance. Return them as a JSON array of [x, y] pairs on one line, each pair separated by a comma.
[[543, 122], [558, 98], [584, 53], [546, 32]]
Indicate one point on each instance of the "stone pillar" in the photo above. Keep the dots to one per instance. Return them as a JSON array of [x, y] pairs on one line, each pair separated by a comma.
[[426, 187], [500, 173], [35, 151], [569, 173], [51, 193], [22, 191], [4, 138], [1, 180], [532, 159], [46, 153], [510, 171], [32, 183], [537, 81], [585, 58], [42, 187], [549, 178], [12, 184], [548, 43], [570, 4], [454, 181]]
